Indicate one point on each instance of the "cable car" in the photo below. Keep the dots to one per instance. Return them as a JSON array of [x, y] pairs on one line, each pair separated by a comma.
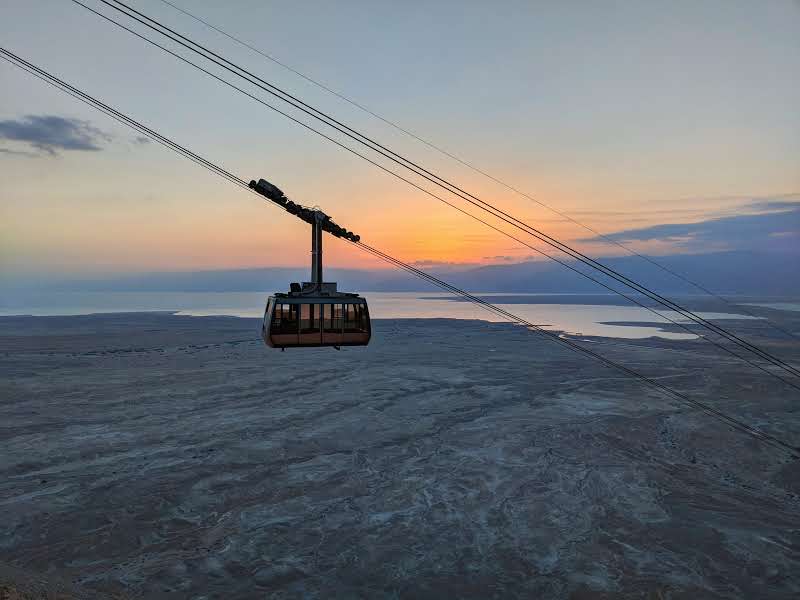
[[296, 320], [315, 313]]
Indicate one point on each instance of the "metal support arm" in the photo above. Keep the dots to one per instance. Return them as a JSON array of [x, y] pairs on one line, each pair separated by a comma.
[[316, 248], [309, 215]]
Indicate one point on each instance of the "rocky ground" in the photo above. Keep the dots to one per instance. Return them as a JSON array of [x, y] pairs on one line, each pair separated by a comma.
[[161, 456]]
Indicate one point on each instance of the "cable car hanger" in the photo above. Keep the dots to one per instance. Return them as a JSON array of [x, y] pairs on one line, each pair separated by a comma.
[[314, 313]]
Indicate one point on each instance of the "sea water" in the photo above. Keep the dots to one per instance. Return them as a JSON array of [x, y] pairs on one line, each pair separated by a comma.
[[572, 316]]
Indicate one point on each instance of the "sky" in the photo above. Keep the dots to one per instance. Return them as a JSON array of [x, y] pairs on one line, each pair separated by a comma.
[[655, 122]]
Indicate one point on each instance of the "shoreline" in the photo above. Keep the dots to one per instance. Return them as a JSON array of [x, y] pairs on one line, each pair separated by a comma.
[[660, 330]]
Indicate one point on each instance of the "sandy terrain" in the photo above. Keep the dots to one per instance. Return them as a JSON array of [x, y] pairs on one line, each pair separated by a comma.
[[177, 457]]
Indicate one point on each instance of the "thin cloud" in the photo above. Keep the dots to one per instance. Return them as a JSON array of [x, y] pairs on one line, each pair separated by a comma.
[[428, 262], [779, 221], [443, 265], [17, 152], [50, 134], [501, 258], [774, 205]]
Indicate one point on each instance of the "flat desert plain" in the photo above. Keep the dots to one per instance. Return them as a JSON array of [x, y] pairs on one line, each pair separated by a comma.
[[162, 456]]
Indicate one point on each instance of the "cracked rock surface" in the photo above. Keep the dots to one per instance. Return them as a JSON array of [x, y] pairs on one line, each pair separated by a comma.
[[176, 457]]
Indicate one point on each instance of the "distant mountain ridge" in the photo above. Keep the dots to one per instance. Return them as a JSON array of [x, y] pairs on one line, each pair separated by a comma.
[[735, 272]]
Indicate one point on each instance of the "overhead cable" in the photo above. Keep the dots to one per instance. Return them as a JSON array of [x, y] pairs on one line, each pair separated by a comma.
[[606, 237], [736, 424], [402, 161]]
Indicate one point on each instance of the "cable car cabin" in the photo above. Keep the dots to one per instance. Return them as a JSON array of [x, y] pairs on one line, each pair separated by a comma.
[[309, 321], [314, 313]]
